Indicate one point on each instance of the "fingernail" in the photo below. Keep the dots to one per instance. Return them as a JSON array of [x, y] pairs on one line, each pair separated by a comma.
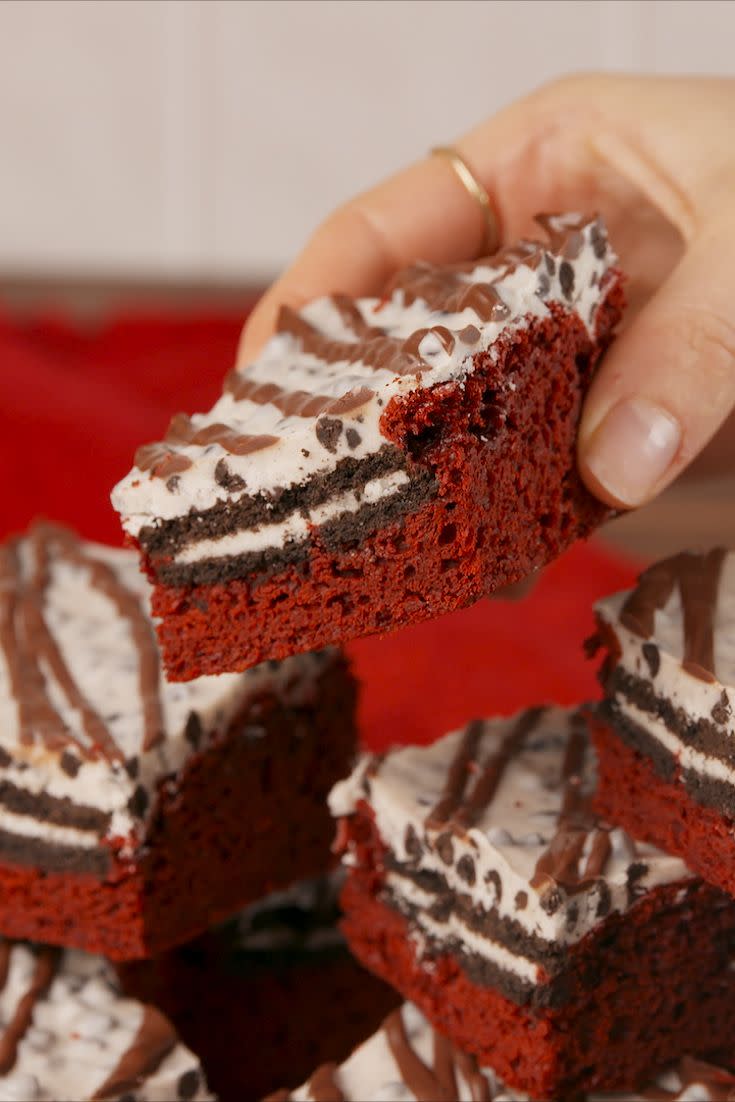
[[632, 450]]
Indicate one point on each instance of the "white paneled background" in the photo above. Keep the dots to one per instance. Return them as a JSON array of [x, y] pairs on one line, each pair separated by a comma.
[[202, 139]]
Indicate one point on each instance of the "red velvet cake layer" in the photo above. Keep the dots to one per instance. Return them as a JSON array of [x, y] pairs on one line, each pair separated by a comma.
[[632, 792], [503, 504], [637, 992], [243, 818]]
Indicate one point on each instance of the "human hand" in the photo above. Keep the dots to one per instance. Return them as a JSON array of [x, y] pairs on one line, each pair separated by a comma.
[[655, 157]]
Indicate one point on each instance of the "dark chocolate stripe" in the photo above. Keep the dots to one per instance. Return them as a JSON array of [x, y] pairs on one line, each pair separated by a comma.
[[479, 799], [323, 1086], [36, 715], [423, 1082], [444, 289], [252, 511], [718, 1082], [183, 431], [5, 950], [26, 640], [457, 775], [345, 529], [697, 577], [376, 350], [55, 541], [699, 583], [293, 403], [153, 1042], [161, 460], [559, 863], [41, 538], [21, 849], [59, 810], [47, 960], [705, 735], [487, 922], [707, 791]]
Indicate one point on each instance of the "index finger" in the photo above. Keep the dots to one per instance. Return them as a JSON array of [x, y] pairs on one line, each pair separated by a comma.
[[421, 212]]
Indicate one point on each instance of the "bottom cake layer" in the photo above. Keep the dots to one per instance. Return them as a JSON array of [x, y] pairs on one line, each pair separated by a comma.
[[659, 809], [281, 986], [221, 836], [639, 991]]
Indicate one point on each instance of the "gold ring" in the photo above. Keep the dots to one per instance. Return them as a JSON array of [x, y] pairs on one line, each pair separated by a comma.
[[473, 186]]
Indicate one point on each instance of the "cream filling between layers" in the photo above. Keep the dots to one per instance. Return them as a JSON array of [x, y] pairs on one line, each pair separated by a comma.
[[688, 758], [455, 928], [672, 682], [296, 527]]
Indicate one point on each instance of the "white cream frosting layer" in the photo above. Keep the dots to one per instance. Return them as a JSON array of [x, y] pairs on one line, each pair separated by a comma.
[[142, 499], [697, 699], [99, 650], [81, 1028], [373, 1072], [506, 842]]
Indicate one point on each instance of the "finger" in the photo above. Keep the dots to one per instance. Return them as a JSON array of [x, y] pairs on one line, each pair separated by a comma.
[[668, 383], [425, 212]]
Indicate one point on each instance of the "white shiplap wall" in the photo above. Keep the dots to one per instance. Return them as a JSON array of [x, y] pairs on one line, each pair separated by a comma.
[[205, 138]]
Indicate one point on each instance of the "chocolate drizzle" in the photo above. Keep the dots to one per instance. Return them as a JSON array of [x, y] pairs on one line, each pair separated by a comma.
[[698, 579], [718, 1082], [27, 642], [181, 430], [559, 864], [293, 403], [161, 461], [151, 1045], [323, 1086], [446, 290], [375, 349], [459, 813], [438, 1083], [47, 960]]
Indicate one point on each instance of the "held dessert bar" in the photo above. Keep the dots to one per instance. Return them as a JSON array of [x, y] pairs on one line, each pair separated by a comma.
[[539, 939], [383, 461], [280, 984], [134, 813], [409, 1061], [665, 732], [67, 1032]]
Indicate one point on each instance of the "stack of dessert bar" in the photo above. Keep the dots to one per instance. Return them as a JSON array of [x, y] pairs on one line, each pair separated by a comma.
[[383, 461], [136, 813], [561, 920]]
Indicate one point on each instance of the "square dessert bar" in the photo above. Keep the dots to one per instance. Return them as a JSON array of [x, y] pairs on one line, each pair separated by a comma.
[[665, 733], [407, 1060], [280, 984], [383, 461], [68, 1032], [134, 813], [539, 939]]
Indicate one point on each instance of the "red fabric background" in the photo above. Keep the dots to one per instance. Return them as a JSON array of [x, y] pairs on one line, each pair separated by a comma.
[[76, 402]]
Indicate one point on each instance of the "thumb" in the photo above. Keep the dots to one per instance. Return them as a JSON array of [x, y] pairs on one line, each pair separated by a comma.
[[668, 383]]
